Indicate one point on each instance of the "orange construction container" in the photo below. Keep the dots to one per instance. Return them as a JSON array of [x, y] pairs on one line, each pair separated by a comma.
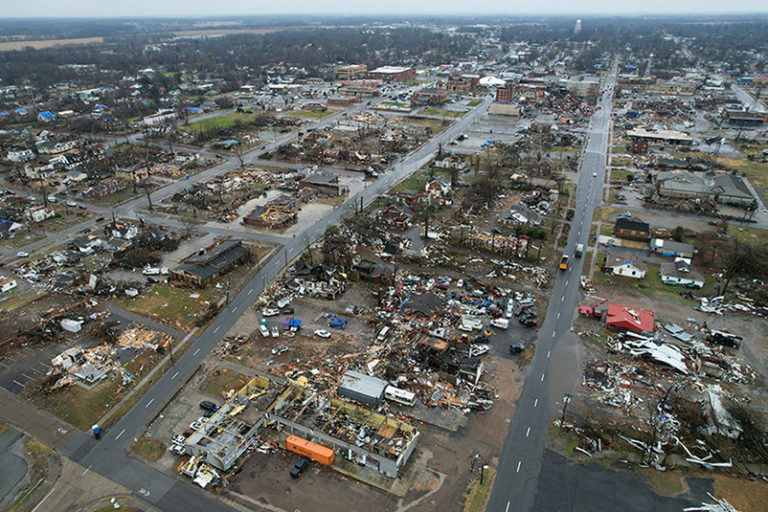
[[314, 451]]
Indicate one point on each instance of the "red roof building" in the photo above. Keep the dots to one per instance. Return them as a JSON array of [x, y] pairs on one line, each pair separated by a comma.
[[627, 318]]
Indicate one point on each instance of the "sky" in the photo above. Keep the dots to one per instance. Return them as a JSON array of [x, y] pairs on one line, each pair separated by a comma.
[[178, 8]]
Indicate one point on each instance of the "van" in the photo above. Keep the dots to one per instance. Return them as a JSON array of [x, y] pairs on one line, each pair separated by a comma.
[[579, 250], [383, 334]]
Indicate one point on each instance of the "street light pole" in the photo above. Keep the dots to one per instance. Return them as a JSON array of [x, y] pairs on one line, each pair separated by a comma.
[[566, 401]]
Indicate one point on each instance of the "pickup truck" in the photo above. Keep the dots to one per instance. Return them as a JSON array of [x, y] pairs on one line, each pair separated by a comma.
[[564, 262]]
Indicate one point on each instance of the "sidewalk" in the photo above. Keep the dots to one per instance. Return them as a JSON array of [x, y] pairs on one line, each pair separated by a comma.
[[38, 424]]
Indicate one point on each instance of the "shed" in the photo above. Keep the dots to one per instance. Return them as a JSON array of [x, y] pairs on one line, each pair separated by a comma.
[[362, 388]]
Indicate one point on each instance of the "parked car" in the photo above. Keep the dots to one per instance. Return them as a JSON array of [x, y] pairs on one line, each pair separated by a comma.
[[516, 348], [279, 350], [322, 333], [208, 405], [22, 254], [275, 332], [271, 312], [152, 279], [264, 330], [99, 218], [299, 468]]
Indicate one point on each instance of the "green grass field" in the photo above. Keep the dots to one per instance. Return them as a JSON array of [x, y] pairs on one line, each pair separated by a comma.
[[312, 114], [222, 121], [432, 111], [474, 103]]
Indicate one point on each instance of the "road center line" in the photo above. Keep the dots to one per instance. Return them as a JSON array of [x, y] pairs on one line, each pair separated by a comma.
[[175, 375], [542, 377], [554, 333], [536, 402], [566, 283], [528, 432], [234, 309], [562, 299], [518, 466], [507, 509], [558, 315], [250, 291], [149, 403], [120, 434], [549, 353], [196, 351], [216, 329], [42, 500]]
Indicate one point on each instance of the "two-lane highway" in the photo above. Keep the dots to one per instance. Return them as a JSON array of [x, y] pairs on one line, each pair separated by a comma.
[[520, 461]]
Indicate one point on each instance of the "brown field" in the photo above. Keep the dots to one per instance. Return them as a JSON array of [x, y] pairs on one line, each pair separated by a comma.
[[9, 46]]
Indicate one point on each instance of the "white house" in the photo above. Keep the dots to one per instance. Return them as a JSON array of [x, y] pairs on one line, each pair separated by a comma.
[[22, 155], [39, 213], [681, 272], [625, 265], [7, 284], [439, 186]]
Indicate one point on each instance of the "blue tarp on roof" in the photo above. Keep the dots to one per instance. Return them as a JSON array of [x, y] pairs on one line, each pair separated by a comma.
[[193, 109], [21, 111], [4, 114], [47, 114]]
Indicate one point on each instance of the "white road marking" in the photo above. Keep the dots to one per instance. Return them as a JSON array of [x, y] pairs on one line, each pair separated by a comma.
[[250, 291], [558, 315], [562, 299], [234, 309], [27, 376], [528, 432], [507, 509], [149, 403], [120, 434], [175, 375], [195, 352], [542, 377], [87, 469], [554, 333], [216, 330], [549, 353], [566, 283], [536, 402], [42, 500], [18, 383], [518, 466]]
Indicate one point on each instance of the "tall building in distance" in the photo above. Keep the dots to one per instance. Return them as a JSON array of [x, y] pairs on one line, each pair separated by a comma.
[[577, 27]]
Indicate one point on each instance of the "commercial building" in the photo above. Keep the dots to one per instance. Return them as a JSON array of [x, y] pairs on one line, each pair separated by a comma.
[[208, 263], [671, 137], [391, 73], [351, 71], [429, 96]]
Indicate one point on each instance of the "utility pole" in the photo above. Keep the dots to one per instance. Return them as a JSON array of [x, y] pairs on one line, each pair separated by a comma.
[[566, 401], [170, 351]]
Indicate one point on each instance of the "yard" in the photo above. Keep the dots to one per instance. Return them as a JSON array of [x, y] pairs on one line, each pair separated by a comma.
[[753, 236], [474, 103], [432, 111], [312, 114], [83, 407], [219, 382], [756, 172], [651, 285], [222, 121], [178, 307], [620, 176]]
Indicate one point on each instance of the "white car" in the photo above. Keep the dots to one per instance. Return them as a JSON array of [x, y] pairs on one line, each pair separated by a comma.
[[271, 312], [500, 323], [275, 332], [22, 254], [264, 330], [322, 333], [279, 350], [594, 175]]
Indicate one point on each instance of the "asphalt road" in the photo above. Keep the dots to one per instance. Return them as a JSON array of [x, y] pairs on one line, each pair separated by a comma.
[[109, 456], [520, 460]]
